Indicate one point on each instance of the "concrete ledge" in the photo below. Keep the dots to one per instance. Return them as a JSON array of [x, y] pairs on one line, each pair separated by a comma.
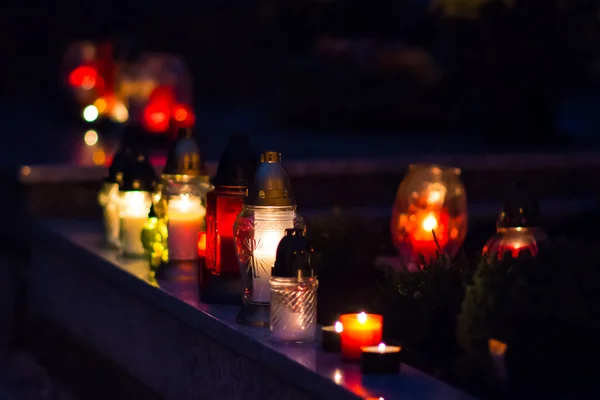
[[177, 346]]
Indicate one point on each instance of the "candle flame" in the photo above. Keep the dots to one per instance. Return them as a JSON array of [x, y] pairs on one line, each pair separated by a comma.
[[184, 204], [362, 317], [430, 223], [496, 347], [381, 347], [337, 376], [339, 328]]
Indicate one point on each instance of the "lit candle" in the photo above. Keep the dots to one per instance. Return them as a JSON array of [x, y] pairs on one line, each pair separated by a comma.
[[331, 337], [264, 258], [293, 310], [497, 350], [426, 223], [359, 330], [185, 218], [380, 359], [133, 210]]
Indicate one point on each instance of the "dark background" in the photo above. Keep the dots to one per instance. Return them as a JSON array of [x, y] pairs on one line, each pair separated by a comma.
[[520, 77]]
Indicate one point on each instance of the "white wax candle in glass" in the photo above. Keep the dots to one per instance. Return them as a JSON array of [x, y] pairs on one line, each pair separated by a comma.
[[133, 211], [185, 220], [264, 258]]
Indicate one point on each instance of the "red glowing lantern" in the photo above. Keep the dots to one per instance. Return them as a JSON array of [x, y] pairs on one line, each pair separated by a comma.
[[156, 117], [429, 213], [236, 167], [84, 76], [163, 96]]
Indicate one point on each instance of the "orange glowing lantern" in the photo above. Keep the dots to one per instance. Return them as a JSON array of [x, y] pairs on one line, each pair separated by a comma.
[[430, 211], [517, 228]]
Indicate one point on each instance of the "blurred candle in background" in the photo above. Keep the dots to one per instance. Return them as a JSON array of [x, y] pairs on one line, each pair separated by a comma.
[[133, 211], [135, 200], [185, 219]]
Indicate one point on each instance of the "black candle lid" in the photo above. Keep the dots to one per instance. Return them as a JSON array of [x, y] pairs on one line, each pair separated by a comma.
[[271, 184], [520, 210], [294, 256], [238, 163], [139, 175], [184, 157], [118, 165], [152, 213]]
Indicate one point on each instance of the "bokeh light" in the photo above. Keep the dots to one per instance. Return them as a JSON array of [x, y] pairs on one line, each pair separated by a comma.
[[90, 113], [91, 137], [120, 113]]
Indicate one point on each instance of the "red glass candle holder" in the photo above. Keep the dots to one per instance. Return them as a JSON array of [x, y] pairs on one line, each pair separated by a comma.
[[221, 278], [429, 214], [224, 205]]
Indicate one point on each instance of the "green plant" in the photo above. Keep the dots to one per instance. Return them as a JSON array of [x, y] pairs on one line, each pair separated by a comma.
[[421, 307], [345, 250], [547, 310]]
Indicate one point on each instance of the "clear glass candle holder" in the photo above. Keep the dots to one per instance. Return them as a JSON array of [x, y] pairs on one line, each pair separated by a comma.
[[257, 232], [293, 309], [180, 204]]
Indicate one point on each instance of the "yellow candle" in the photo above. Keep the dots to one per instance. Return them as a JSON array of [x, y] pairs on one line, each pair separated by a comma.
[[185, 218]]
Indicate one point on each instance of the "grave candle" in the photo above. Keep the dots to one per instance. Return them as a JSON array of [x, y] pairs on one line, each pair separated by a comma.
[[185, 218], [133, 212], [381, 359], [359, 330], [293, 290]]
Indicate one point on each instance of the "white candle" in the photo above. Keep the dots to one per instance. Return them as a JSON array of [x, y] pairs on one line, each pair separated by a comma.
[[133, 210], [264, 258], [185, 217]]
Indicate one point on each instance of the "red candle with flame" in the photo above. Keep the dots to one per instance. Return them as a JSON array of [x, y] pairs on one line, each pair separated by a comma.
[[425, 224], [429, 214], [359, 330]]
